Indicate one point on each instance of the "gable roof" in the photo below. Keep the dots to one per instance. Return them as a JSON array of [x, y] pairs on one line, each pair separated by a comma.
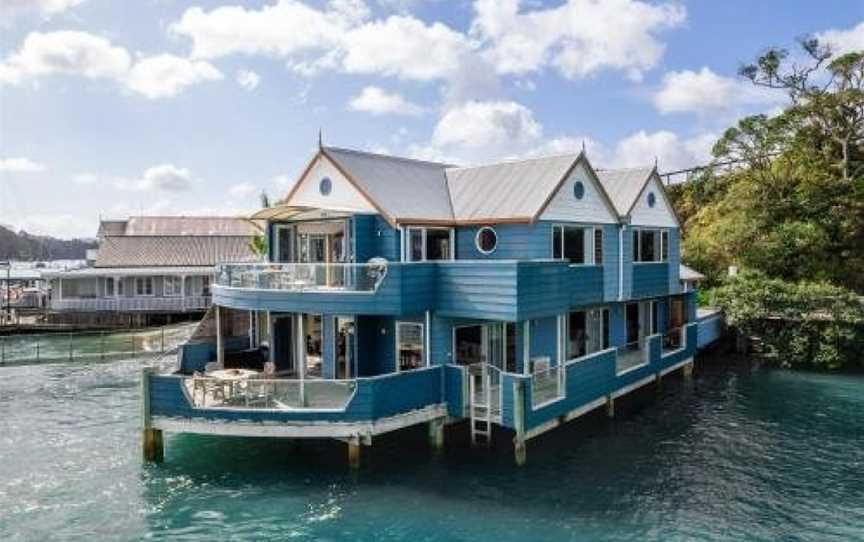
[[173, 251], [686, 273], [188, 225], [405, 190], [624, 186]]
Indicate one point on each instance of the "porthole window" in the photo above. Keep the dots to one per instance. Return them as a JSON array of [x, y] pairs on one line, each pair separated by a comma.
[[652, 199], [578, 190], [486, 240], [325, 186]]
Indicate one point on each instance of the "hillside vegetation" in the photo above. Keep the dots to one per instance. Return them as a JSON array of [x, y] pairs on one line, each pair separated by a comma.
[[25, 247]]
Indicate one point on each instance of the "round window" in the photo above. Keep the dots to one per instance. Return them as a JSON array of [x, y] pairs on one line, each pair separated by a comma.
[[325, 186], [578, 190], [486, 240], [652, 199]]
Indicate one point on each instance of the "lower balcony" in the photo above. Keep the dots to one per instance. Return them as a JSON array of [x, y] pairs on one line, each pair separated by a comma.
[[131, 304]]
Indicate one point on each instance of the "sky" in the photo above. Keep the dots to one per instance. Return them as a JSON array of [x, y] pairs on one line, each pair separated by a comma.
[[110, 109]]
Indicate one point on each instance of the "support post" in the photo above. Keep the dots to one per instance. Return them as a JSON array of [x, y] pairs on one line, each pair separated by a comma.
[[220, 342], [436, 435], [151, 439], [610, 407], [354, 452], [519, 451], [659, 378], [687, 371]]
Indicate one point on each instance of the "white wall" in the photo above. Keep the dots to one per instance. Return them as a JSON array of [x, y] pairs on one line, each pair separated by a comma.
[[343, 196], [659, 215], [591, 208]]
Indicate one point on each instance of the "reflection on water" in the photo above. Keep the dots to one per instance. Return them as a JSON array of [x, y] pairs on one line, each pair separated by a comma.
[[737, 455]]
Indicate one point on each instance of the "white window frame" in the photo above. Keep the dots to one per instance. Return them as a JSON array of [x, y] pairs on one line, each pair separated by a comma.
[[477, 240], [277, 233], [176, 286], [112, 282], [661, 233], [143, 281], [564, 331], [207, 283], [588, 242], [406, 242], [398, 335]]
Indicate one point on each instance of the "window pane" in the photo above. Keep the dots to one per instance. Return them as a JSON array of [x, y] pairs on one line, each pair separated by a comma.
[[598, 246], [410, 339], [574, 244], [576, 335], [487, 240], [665, 246], [605, 328], [283, 245], [415, 245], [510, 364], [469, 344], [636, 246], [437, 244], [556, 242], [649, 237]]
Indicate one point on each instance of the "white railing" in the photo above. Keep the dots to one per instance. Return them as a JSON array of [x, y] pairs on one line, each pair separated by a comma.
[[303, 277], [547, 385], [123, 304], [631, 355], [270, 394]]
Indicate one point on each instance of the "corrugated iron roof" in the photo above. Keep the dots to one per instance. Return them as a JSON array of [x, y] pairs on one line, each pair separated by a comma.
[[514, 189], [111, 227], [624, 185], [128, 271], [181, 225], [688, 273], [173, 250], [403, 187]]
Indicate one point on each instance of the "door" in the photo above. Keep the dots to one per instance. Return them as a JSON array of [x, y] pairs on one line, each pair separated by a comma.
[[633, 324], [283, 343], [344, 346]]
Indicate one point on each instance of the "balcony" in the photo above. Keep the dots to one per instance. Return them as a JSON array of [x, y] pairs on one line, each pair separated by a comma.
[[132, 304], [303, 277]]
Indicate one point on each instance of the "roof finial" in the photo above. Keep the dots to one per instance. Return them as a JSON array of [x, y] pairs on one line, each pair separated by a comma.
[[655, 161], [320, 139], [583, 146]]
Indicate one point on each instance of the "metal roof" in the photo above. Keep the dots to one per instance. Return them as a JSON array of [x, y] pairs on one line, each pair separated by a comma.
[[402, 187], [173, 250], [514, 189], [128, 271], [624, 185], [689, 274], [177, 225]]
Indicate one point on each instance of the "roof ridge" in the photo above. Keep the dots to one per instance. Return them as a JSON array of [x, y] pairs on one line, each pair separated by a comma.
[[517, 160], [388, 156], [631, 168]]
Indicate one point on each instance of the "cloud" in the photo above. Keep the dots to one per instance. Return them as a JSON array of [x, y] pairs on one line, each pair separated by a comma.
[[247, 79], [20, 165], [706, 92], [242, 190], [85, 179], [61, 225], [671, 151], [578, 38], [484, 124], [844, 41], [165, 76], [93, 57], [44, 7], [164, 177], [379, 102]]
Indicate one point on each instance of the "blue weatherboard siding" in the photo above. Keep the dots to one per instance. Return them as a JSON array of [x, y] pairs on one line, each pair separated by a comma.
[[544, 336], [515, 241], [477, 290], [710, 329], [375, 238], [650, 279], [610, 262], [627, 243], [674, 261], [455, 383]]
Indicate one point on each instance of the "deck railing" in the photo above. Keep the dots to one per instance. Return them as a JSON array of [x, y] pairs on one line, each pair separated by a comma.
[[123, 304], [278, 394], [303, 277], [674, 339], [631, 355], [547, 385]]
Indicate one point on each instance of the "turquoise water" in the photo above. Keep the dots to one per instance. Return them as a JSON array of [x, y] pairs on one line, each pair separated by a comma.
[[736, 455]]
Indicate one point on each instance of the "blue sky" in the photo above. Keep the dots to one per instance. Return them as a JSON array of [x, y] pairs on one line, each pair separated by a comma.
[[160, 107]]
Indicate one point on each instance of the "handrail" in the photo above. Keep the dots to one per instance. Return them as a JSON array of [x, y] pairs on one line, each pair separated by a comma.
[[178, 303], [631, 355], [303, 277], [547, 385], [269, 393], [674, 339]]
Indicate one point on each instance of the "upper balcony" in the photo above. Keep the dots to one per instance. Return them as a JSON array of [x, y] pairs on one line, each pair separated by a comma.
[[508, 290]]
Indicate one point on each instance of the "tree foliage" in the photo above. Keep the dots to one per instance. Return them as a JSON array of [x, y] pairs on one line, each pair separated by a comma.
[[793, 207]]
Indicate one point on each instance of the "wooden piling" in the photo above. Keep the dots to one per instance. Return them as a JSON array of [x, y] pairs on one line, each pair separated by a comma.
[[687, 371], [519, 450], [354, 453], [151, 439], [436, 435], [610, 407]]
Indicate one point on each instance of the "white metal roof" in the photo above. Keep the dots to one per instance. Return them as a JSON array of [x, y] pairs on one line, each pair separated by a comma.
[[515, 189], [689, 274], [624, 185], [128, 271]]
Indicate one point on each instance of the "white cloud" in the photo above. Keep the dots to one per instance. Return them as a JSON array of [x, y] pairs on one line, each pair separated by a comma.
[[706, 92], [164, 177], [85, 179], [844, 41], [242, 190], [379, 102], [671, 151], [164, 76], [20, 165], [45, 7], [578, 38], [94, 57], [247, 79], [483, 124], [61, 225]]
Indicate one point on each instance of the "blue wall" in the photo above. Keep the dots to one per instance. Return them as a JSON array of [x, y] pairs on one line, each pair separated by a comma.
[[650, 279], [515, 242]]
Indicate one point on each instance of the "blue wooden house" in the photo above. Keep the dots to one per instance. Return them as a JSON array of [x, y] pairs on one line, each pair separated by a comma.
[[515, 296]]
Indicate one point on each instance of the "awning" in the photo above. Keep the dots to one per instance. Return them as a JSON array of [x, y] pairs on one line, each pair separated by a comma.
[[293, 212]]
